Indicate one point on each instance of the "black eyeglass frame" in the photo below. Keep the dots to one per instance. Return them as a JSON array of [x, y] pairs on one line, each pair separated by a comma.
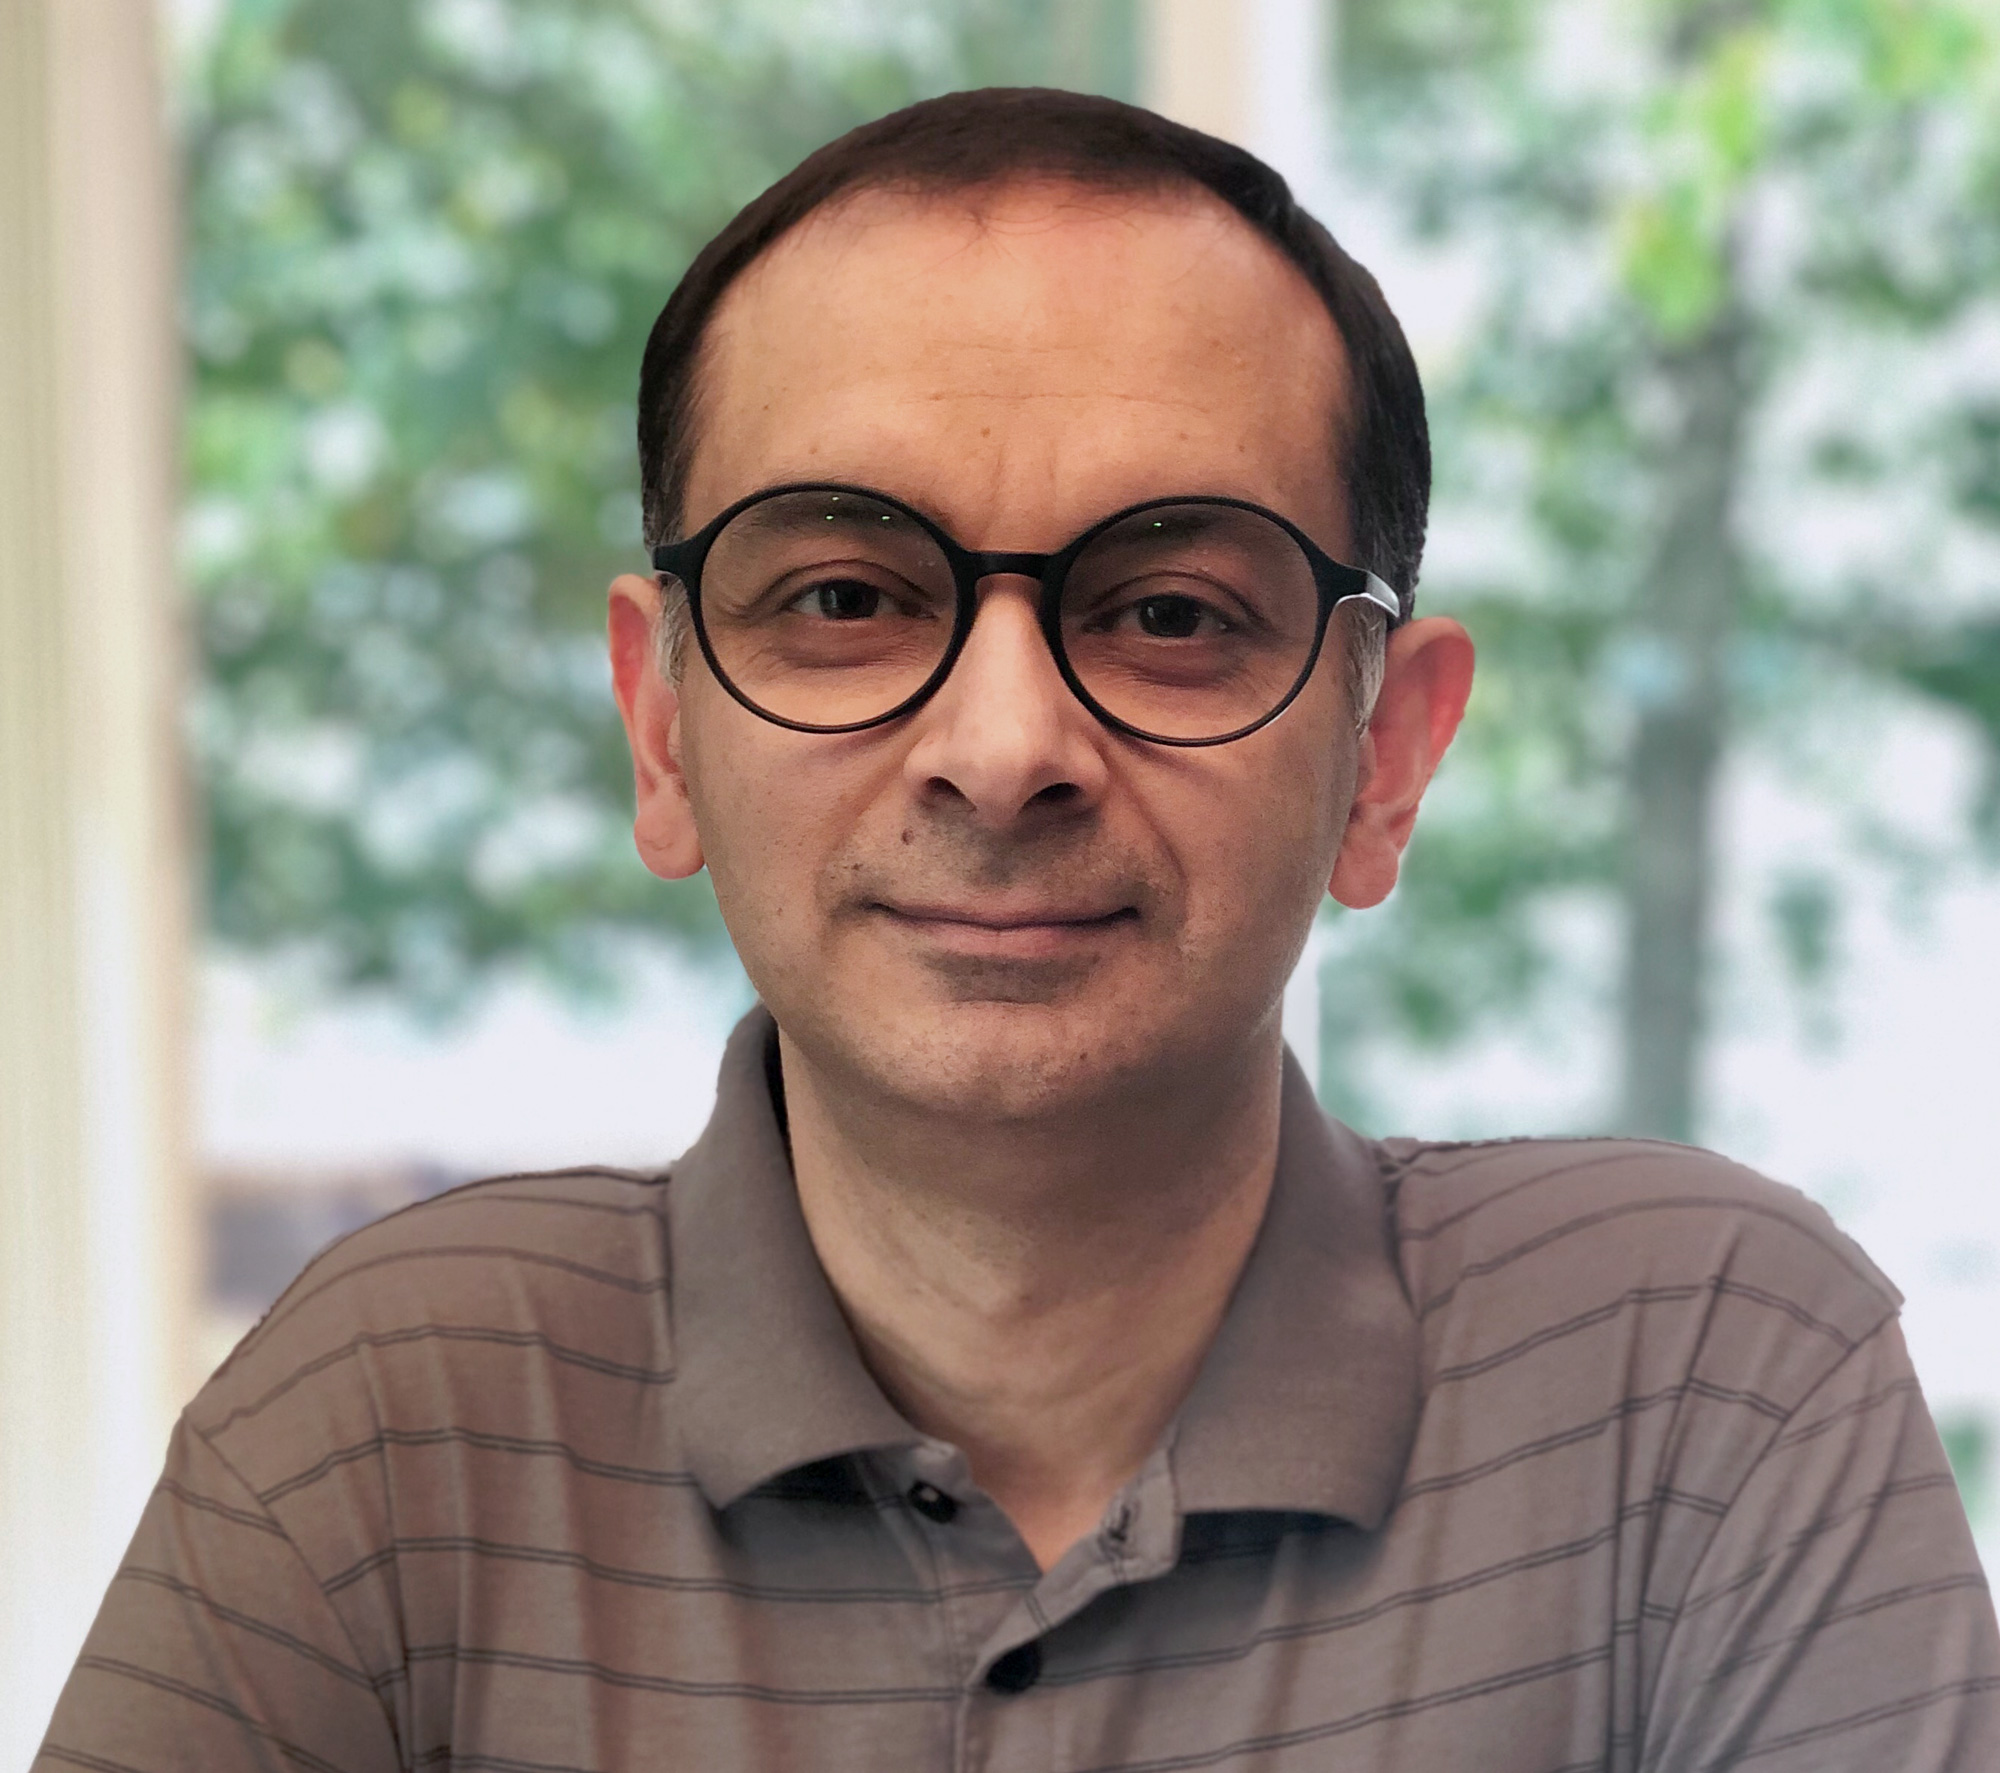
[[1336, 582]]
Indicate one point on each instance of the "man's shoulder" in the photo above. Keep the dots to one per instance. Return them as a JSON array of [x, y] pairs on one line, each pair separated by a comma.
[[1525, 1231], [564, 1266]]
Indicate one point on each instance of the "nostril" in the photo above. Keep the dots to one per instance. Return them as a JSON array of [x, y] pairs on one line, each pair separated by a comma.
[[1057, 794]]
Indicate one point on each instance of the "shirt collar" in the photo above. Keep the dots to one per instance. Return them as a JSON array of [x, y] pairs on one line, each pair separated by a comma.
[[1306, 1401], [767, 1374]]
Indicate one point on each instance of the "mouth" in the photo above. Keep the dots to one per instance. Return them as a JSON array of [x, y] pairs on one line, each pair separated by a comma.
[[1028, 932]]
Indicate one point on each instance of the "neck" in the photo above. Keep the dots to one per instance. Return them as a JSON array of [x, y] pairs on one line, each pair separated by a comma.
[[1040, 1297]]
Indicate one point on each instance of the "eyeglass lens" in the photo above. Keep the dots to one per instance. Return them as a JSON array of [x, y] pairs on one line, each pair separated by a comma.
[[1183, 621]]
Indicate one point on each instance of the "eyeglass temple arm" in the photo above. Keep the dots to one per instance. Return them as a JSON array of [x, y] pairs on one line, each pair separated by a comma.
[[1375, 591]]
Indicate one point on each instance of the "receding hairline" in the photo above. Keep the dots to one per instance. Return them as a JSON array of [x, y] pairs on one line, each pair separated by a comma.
[[1144, 190]]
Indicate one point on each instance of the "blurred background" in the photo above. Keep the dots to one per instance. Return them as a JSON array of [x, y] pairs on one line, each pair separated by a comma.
[[319, 328]]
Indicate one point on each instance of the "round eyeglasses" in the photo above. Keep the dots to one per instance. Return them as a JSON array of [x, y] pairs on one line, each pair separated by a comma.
[[1184, 621]]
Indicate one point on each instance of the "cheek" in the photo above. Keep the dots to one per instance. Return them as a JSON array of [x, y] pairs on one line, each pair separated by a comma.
[[1258, 854], [739, 810], [773, 821], [1288, 804]]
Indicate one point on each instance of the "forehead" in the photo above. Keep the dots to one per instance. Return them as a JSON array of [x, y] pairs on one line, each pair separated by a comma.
[[1033, 352]]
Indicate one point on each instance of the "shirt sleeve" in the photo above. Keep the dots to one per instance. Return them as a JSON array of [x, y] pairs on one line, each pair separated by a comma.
[[1838, 1621], [215, 1649]]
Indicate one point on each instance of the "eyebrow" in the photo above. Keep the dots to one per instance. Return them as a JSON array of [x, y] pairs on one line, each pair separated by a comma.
[[850, 516], [804, 482]]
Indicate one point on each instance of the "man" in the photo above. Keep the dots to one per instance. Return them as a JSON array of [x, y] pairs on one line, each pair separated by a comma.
[[1021, 1372]]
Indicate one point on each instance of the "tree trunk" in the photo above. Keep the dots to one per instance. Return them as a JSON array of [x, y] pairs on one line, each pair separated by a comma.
[[1687, 609]]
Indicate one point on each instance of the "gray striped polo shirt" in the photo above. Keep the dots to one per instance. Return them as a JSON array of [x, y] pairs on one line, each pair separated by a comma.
[[1513, 1457]]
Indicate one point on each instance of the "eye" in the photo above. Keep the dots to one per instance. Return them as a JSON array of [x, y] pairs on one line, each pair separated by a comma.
[[1159, 615], [839, 600], [1165, 617]]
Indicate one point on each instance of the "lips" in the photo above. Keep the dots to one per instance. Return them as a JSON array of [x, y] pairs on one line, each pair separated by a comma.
[[988, 917], [1024, 941]]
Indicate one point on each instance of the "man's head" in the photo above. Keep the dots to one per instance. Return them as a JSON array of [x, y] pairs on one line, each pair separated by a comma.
[[1017, 313]]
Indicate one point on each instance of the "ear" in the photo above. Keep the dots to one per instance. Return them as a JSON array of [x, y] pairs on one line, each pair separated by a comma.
[[1427, 675], [651, 708]]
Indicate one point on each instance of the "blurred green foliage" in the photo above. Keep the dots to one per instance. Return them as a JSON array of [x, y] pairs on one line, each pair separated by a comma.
[[426, 240], [1717, 481]]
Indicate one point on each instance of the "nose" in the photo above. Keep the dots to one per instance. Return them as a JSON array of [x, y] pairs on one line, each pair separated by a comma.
[[1003, 735]]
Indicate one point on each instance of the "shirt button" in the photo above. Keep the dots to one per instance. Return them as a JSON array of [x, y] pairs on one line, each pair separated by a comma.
[[932, 1503], [1018, 1670]]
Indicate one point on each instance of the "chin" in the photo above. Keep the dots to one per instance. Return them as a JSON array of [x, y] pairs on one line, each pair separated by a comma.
[[1001, 1060]]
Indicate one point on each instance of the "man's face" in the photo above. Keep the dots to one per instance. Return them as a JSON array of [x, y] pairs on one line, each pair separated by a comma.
[[996, 906]]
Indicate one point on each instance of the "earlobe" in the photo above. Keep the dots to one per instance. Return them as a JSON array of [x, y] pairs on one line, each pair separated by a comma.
[[1426, 679], [663, 824]]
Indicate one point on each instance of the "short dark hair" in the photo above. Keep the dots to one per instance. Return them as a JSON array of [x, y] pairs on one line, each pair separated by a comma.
[[966, 140]]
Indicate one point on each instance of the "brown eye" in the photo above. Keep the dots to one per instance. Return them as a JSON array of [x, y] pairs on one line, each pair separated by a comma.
[[840, 600], [1169, 618]]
